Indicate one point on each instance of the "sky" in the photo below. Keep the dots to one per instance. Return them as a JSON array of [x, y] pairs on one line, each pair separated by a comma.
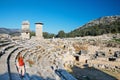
[[56, 15]]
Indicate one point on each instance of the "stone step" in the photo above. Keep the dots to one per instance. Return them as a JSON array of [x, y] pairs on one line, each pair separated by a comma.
[[4, 76], [64, 75], [15, 76], [14, 55], [12, 63], [8, 46], [3, 49], [4, 44], [3, 61]]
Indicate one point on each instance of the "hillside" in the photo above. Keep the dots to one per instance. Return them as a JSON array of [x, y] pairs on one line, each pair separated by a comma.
[[103, 25], [10, 31]]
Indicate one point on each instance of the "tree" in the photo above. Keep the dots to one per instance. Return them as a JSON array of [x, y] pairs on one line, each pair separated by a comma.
[[48, 35], [32, 33], [51, 35], [45, 34], [61, 34]]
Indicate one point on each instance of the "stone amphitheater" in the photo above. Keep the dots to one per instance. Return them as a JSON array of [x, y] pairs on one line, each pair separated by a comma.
[[43, 58], [51, 59]]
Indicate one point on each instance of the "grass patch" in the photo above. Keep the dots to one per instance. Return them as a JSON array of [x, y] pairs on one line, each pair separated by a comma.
[[116, 40]]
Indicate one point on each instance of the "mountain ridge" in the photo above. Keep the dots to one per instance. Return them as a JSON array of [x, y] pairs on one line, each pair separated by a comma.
[[102, 25], [10, 31]]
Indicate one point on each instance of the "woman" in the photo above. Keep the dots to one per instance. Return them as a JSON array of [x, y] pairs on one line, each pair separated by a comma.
[[20, 65]]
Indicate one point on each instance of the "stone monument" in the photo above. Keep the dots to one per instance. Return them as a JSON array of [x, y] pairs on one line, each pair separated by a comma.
[[39, 33], [25, 34]]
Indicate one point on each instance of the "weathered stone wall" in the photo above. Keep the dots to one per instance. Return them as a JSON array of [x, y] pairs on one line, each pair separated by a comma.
[[25, 35]]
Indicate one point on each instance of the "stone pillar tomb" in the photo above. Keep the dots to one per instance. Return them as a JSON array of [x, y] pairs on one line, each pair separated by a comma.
[[25, 34], [39, 33]]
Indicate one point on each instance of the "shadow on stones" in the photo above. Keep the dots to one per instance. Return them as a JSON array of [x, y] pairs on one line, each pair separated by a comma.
[[86, 73], [5, 76], [90, 73]]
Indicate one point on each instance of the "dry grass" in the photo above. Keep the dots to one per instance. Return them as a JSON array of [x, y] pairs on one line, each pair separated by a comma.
[[80, 47], [30, 62]]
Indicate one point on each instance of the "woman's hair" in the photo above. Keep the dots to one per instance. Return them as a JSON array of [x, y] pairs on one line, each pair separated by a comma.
[[19, 56]]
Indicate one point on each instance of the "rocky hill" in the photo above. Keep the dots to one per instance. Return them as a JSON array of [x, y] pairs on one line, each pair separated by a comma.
[[103, 25], [107, 20], [9, 31]]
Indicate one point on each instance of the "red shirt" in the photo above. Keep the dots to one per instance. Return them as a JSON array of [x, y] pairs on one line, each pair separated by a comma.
[[20, 61]]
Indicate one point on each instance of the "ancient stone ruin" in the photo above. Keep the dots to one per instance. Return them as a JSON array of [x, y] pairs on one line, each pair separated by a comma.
[[52, 59], [25, 32], [39, 33]]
